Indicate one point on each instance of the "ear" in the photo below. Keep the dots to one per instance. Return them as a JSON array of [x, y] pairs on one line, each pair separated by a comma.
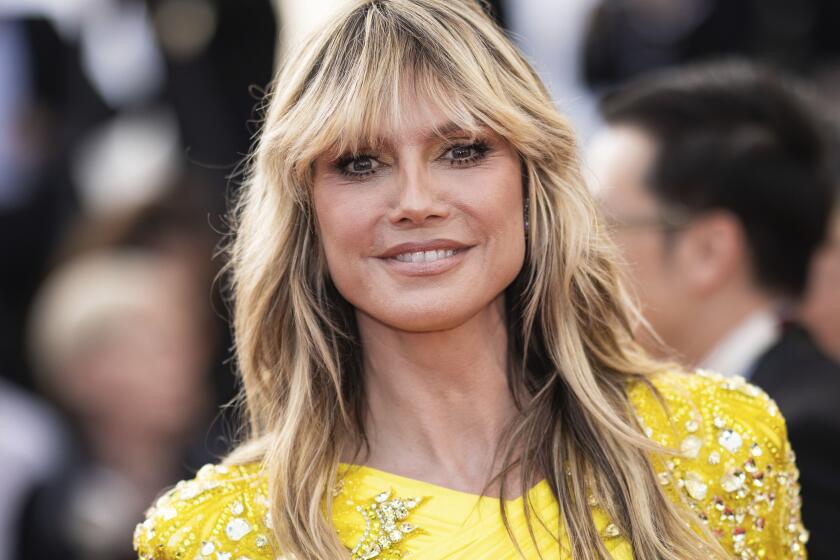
[[714, 252]]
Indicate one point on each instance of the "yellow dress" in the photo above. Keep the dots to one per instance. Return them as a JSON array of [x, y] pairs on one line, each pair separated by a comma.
[[735, 470]]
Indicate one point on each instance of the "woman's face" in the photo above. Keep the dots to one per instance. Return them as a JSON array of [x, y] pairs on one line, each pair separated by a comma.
[[426, 231]]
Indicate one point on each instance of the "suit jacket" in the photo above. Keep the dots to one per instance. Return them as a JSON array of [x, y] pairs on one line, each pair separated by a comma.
[[805, 383]]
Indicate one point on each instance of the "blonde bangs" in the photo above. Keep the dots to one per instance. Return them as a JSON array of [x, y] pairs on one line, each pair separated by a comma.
[[366, 70]]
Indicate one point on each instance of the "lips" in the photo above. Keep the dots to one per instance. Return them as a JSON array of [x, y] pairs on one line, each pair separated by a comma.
[[423, 246]]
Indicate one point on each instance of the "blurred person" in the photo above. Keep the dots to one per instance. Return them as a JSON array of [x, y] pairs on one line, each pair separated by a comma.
[[626, 38], [434, 339], [71, 70], [115, 338], [31, 449], [183, 224], [717, 181], [180, 222], [821, 308]]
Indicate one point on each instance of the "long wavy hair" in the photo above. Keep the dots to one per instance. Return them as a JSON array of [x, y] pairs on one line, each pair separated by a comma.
[[570, 322]]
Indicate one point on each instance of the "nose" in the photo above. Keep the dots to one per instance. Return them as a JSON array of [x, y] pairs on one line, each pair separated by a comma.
[[418, 198]]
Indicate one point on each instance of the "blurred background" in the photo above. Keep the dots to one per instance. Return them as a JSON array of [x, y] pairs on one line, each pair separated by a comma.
[[123, 125]]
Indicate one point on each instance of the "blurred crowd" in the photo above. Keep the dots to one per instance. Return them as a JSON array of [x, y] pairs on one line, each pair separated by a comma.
[[709, 132]]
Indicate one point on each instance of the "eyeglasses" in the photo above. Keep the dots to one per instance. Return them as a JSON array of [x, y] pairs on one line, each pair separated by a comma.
[[666, 220]]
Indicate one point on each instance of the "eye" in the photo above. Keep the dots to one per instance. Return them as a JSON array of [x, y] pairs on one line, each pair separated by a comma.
[[465, 154], [357, 166]]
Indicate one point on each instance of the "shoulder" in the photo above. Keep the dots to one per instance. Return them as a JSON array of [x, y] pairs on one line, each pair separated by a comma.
[[221, 514], [732, 463], [709, 398]]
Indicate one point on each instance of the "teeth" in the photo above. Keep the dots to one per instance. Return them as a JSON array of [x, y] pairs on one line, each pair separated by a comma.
[[425, 256]]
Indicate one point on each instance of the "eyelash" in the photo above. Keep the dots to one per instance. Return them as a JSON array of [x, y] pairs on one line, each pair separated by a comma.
[[480, 148]]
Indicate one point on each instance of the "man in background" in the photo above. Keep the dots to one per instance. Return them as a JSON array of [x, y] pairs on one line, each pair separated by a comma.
[[717, 181], [821, 307]]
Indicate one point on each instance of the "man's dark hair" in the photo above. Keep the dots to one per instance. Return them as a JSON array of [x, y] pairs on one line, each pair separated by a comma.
[[733, 136]]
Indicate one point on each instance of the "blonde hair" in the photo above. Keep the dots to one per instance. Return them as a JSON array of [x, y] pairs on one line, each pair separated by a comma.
[[572, 354]]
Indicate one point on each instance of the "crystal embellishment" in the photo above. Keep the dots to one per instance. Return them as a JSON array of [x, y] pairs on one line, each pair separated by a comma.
[[690, 447], [195, 488], [167, 513], [732, 481], [384, 526], [730, 440], [695, 486], [237, 528]]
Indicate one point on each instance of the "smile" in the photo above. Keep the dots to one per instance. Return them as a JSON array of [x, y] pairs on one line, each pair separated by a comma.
[[425, 256], [425, 263]]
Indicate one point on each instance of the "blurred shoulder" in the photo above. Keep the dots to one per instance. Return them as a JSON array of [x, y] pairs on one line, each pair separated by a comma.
[[221, 514], [731, 461]]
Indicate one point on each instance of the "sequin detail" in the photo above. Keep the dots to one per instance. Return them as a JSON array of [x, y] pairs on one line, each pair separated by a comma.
[[734, 474], [385, 526], [212, 517]]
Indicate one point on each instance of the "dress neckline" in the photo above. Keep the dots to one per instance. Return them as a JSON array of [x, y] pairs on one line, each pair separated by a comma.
[[429, 488]]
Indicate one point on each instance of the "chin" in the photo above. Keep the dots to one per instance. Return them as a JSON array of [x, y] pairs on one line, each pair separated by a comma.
[[424, 318]]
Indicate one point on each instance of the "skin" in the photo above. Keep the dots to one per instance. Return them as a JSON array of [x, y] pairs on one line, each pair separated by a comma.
[[821, 306], [434, 345], [694, 284]]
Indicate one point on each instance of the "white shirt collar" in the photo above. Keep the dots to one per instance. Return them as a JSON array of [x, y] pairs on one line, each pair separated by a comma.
[[738, 351]]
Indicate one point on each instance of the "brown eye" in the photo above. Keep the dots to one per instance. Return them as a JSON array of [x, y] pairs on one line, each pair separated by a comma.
[[466, 154], [358, 166], [362, 165], [462, 152]]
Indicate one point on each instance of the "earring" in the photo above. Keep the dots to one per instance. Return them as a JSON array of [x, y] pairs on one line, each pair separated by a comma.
[[527, 206]]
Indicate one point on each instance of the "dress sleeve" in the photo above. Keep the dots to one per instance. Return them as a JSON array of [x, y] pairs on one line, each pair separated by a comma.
[[786, 536], [218, 515], [735, 469]]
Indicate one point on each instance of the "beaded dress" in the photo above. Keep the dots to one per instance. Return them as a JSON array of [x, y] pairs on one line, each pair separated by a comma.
[[735, 471]]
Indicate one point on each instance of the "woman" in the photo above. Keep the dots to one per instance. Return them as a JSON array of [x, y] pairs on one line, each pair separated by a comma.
[[435, 346]]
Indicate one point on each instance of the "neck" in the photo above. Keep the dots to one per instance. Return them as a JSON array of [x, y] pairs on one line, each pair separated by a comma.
[[437, 401], [715, 319]]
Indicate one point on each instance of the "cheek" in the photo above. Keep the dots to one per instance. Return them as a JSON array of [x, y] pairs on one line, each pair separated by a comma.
[[495, 194], [501, 215], [345, 225], [497, 214]]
